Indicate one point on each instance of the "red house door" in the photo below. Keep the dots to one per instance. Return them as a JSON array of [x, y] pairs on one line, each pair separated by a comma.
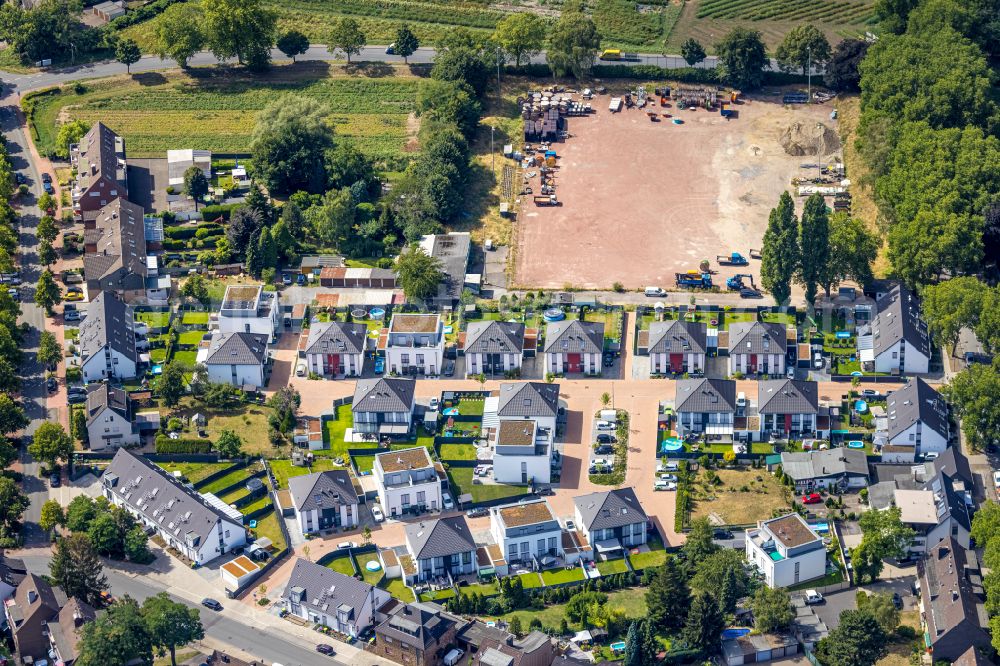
[[332, 361], [788, 422], [574, 363], [753, 363], [677, 362]]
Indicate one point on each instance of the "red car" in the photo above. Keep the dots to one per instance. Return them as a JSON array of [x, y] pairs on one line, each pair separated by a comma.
[[812, 498]]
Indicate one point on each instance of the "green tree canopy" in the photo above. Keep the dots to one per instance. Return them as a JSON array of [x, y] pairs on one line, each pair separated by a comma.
[[171, 624], [229, 444], [347, 36], [858, 641], [47, 292], [13, 502], [521, 35], [69, 133], [444, 103], [179, 34], [333, 220], [77, 569], [289, 145], [195, 184], [699, 544], [51, 515], [723, 575], [49, 353], [802, 45], [692, 51], [705, 623], [406, 43], [79, 513], [463, 65], [293, 43], [419, 274], [742, 58], [241, 29], [852, 250], [127, 53], [772, 609], [841, 71], [780, 255], [116, 638], [170, 384], [814, 242], [881, 607], [974, 394], [50, 444], [47, 30], [883, 535], [12, 417], [953, 305], [668, 597], [572, 44]]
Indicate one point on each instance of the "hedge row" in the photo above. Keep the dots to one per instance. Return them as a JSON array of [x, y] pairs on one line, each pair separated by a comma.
[[166, 445], [141, 14], [200, 231], [212, 213], [652, 73]]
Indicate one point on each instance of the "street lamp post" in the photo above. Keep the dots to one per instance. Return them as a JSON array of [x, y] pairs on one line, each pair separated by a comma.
[[493, 155], [809, 73]]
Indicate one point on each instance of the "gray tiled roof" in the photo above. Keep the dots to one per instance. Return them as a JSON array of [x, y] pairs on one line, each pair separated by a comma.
[[414, 624], [384, 394], [109, 322], [237, 349], [705, 395], [820, 464], [898, 319], [494, 337], [610, 509], [787, 396], [326, 588], [528, 399], [322, 490], [336, 338], [439, 538], [952, 602], [677, 337], [98, 155], [574, 337], [120, 256], [101, 396], [148, 489], [756, 338], [916, 401]]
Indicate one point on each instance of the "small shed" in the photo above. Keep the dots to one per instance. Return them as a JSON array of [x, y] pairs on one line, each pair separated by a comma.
[[109, 10], [238, 572]]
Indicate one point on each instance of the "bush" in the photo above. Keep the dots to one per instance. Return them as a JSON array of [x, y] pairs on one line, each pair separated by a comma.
[[74, 374], [212, 213], [166, 445], [140, 14], [171, 244], [179, 233]]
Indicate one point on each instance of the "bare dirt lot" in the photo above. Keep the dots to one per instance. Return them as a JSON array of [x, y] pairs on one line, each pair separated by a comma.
[[643, 200]]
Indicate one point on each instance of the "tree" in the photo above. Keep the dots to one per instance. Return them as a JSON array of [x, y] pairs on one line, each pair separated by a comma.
[[780, 254], [772, 609], [705, 622], [815, 245], [463, 65], [853, 249], [842, 71], [515, 626], [195, 184], [69, 133], [12, 417], [974, 394], [127, 53], [8, 453], [406, 43], [51, 515], [77, 569], [893, 15], [289, 143], [170, 384], [293, 43], [136, 546], [178, 33], [742, 58], [244, 29], [46, 30], [668, 597], [882, 608], [80, 512], [520, 35], [47, 229], [50, 444], [347, 36], [105, 536], [171, 624], [366, 535], [333, 220], [419, 274], [858, 641], [951, 306], [78, 427], [446, 103], [47, 292], [633, 647], [699, 544], [572, 44], [986, 524], [13, 502], [285, 402], [46, 253], [883, 535], [804, 44], [49, 353], [116, 638], [244, 223], [229, 444], [267, 250], [196, 288], [692, 51], [722, 574]]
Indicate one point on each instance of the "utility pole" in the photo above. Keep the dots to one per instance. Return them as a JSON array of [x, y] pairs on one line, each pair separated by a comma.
[[493, 154], [809, 73], [499, 97]]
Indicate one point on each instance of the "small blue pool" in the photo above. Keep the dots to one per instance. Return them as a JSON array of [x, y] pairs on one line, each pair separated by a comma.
[[843, 335], [618, 647], [734, 632], [373, 565], [860, 406], [450, 411], [673, 444], [855, 444], [157, 369], [857, 373], [821, 528], [554, 314], [376, 313]]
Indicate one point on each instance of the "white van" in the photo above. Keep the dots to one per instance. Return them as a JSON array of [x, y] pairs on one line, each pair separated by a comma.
[[453, 656], [655, 291], [741, 399]]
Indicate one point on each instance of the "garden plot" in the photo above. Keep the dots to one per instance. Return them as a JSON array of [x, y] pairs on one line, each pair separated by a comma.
[[738, 497]]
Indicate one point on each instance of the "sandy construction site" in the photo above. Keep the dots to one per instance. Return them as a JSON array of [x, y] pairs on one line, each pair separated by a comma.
[[643, 200]]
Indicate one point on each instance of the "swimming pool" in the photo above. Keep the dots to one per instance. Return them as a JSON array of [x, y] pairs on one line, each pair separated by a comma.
[[376, 313], [860, 406], [820, 527], [554, 314], [450, 411], [157, 369], [734, 632], [673, 444], [373, 565], [618, 647], [855, 444], [448, 330]]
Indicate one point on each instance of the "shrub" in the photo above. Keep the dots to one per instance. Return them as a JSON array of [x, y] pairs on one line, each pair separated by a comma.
[[212, 213], [166, 445]]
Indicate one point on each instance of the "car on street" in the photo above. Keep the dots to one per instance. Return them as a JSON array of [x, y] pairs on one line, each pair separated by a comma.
[[323, 648], [107, 598], [391, 49], [447, 501], [48, 188], [812, 498], [662, 484], [208, 602], [813, 597], [377, 513], [722, 533], [73, 296], [19, 178], [668, 477], [605, 438], [51, 384], [10, 278], [897, 601], [55, 480], [76, 398], [604, 449], [46, 177]]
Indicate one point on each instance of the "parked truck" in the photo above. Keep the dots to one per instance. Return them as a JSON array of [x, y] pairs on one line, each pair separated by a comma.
[[694, 280], [735, 283], [732, 259], [545, 200], [618, 54]]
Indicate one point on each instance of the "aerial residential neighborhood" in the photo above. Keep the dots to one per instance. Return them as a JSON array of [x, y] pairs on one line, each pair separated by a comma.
[[615, 332]]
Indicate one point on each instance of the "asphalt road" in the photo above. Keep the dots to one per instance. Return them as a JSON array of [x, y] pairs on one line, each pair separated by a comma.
[[42, 79], [33, 393], [262, 643]]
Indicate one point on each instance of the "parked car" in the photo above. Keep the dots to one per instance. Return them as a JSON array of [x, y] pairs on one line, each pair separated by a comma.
[[300, 279], [51, 384], [377, 513], [669, 466], [208, 602], [46, 177], [449, 369], [323, 648], [897, 601], [379, 365], [346, 545], [300, 370], [286, 279], [434, 403], [605, 438], [19, 178], [660, 484], [609, 360], [477, 512], [668, 477], [604, 449], [73, 296], [996, 480], [870, 394], [107, 598], [812, 498], [447, 501], [72, 315], [76, 398], [813, 597], [605, 425], [722, 533], [55, 480], [931, 456], [48, 188]]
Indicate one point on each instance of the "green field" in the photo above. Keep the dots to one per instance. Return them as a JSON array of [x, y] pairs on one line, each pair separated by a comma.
[[632, 601], [284, 469], [195, 472], [461, 479], [216, 110], [195, 319]]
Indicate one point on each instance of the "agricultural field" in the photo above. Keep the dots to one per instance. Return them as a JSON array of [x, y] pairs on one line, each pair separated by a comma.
[[708, 20], [216, 110]]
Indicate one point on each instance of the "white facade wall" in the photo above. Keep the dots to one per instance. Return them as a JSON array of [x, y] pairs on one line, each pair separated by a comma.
[[361, 620], [429, 359], [474, 363], [309, 520], [557, 363], [237, 375], [508, 469], [774, 363], [789, 571], [660, 363], [946, 528], [352, 364], [395, 499], [107, 364], [692, 421], [110, 429], [522, 548], [914, 362], [925, 440]]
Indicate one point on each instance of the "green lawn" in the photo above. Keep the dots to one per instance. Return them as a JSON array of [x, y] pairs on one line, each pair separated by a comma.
[[656, 556], [530, 580], [371, 577], [632, 601], [190, 338], [458, 452], [264, 500], [730, 318], [364, 463], [786, 318], [612, 567], [268, 527], [71, 334], [194, 472], [227, 480], [482, 589], [471, 406], [557, 576], [195, 318], [234, 495], [153, 319], [342, 564], [461, 479], [188, 358], [284, 469], [438, 595], [334, 429], [397, 588]]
